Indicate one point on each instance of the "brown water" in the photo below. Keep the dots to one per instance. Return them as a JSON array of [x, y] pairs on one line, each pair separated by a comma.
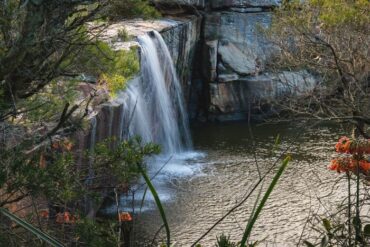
[[205, 188]]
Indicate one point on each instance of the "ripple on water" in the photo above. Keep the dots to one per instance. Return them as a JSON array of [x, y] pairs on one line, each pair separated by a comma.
[[199, 189]]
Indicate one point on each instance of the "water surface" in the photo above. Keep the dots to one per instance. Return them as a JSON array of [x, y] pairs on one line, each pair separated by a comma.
[[199, 189]]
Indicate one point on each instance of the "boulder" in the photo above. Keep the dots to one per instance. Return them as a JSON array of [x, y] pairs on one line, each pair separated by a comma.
[[242, 62], [234, 100], [241, 46]]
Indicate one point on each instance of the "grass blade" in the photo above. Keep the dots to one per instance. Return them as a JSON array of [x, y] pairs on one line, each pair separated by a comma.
[[274, 181], [158, 202], [40, 234]]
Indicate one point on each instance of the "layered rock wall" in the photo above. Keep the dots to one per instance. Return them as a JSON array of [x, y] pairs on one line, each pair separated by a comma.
[[234, 81]]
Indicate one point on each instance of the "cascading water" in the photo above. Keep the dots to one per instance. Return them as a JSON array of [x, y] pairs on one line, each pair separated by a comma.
[[156, 106], [154, 109]]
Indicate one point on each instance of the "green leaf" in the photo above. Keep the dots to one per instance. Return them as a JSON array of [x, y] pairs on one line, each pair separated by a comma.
[[37, 2], [43, 236], [158, 202], [367, 230], [308, 244], [274, 181], [327, 225], [324, 241]]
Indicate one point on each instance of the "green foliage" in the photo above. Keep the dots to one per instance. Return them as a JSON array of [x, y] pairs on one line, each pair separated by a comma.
[[50, 101], [43, 236], [96, 234], [367, 230], [271, 187], [123, 160], [53, 173], [35, 39], [342, 12], [326, 38], [157, 202], [119, 9], [113, 68], [32, 174], [123, 35], [224, 241]]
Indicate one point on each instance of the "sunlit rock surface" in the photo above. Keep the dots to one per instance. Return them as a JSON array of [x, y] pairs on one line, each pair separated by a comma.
[[252, 95]]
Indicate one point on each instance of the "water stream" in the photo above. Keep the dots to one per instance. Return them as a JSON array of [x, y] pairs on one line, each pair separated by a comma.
[[155, 103], [155, 110]]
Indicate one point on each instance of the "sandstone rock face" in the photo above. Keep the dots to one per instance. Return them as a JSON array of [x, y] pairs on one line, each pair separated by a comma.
[[240, 31], [221, 57], [239, 61], [234, 63], [181, 41], [251, 96]]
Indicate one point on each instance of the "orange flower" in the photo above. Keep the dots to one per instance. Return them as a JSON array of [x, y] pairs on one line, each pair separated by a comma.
[[343, 145], [44, 213], [62, 145], [348, 164], [364, 165], [340, 165], [55, 145], [125, 216], [68, 145], [65, 218], [42, 162]]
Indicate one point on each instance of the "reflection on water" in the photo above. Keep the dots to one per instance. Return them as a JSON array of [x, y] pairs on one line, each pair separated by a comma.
[[198, 190]]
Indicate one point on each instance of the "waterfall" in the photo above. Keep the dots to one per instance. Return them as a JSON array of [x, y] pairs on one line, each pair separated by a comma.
[[154, 105], [154, 109]]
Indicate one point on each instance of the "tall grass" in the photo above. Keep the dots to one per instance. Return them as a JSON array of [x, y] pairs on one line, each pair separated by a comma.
[[40, 234], [267, 194], [158, 203]]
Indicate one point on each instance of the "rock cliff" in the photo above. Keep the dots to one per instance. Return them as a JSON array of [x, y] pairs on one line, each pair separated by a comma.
[[220, 55]]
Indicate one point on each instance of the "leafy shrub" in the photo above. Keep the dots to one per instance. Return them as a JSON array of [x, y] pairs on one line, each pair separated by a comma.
[[112, 68], [123, 35], [224, 241]]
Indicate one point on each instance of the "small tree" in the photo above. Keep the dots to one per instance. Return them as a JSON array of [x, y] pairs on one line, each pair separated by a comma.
[[45, 47]]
